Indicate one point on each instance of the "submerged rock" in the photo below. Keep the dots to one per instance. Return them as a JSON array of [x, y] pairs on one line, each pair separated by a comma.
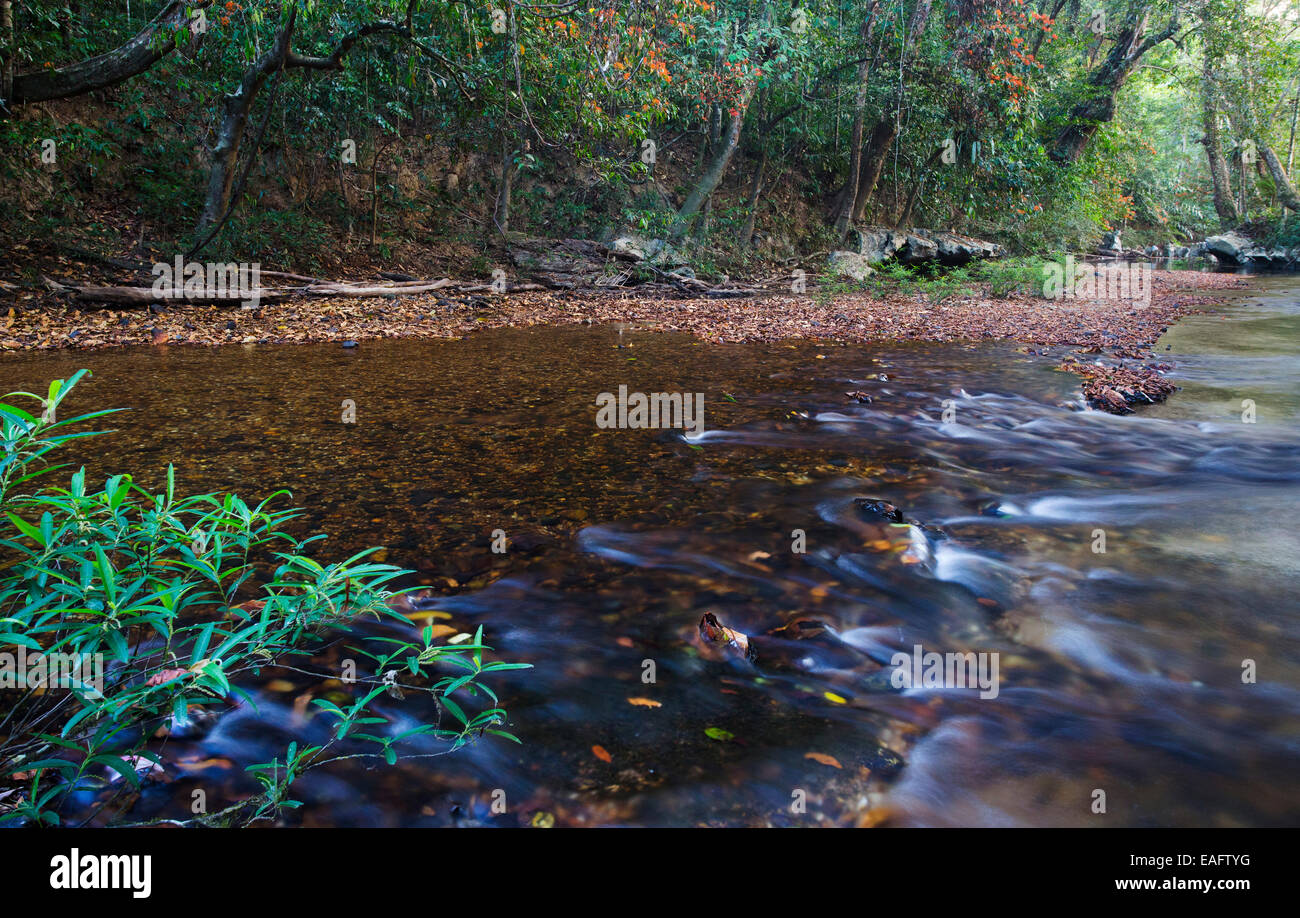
[[873, 508]]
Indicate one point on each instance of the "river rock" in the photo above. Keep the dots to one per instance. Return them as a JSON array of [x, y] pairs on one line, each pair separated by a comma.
[[1230, 247], [850, 264]]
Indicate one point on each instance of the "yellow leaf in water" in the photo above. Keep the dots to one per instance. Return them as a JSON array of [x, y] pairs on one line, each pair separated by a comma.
[[543, 820], [831, 696], [280, 685], [824, 759], [437, 631], [644, 702], [460, 638], [431, 613]]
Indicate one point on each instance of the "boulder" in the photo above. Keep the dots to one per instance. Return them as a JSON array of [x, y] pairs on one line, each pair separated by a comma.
[[917, 250], [630, 247], [850, 264], [954, 249], [1111, 244], [1229, 247], [878, 244]]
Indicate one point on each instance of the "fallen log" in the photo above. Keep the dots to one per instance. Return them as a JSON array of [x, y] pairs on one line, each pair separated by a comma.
[[145, 296], [375, 289]]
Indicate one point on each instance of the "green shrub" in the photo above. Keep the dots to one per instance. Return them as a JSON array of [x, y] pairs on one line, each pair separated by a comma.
[[152, 584]]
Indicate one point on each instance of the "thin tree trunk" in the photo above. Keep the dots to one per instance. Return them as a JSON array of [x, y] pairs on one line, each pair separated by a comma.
[[888, 125], [1290, 145], [849, 195], [755, 191], [883, 136], [10, 50], [1219, 178], [374, 197], [905, 215], [502, 214]]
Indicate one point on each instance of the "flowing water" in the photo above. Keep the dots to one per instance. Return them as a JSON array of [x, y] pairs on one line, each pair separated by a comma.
[[1119, 671]]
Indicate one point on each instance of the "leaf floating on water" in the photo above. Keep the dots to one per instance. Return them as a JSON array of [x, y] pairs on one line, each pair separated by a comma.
[[837, 699], [431, 613], [602, 753], [543, 820], [644, 702], [440, 630], [719, 734], [824, 759], [460, 638]]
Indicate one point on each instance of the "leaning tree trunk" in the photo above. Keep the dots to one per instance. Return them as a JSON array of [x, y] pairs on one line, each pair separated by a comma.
[[154, 42], [1285, 189], [1102, 88], [234, 119], [883, 136], [1219, 178], [715, 169]]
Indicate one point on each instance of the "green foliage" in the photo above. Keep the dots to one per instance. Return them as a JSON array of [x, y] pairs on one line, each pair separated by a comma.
[[152, 583]]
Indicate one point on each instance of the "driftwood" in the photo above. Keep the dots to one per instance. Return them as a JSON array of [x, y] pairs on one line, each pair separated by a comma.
[[145, 296]]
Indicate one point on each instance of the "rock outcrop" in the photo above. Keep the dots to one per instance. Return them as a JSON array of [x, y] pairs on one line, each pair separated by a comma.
[[918, 246]]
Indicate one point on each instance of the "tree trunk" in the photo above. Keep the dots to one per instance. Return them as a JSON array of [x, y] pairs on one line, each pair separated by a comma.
[[234, 119], [1223, 203], [873, 163], [502, 214], [849, 195], [1285, 189], [10, 50], [755, 191], [714, 171], [905, 216], [154, 42], [1103, 86], [887, 126]]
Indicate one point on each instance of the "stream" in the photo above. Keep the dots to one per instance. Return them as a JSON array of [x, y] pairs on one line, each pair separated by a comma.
[[1119, 671]]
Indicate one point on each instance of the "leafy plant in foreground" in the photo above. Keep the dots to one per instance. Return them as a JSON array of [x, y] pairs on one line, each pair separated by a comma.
[[179, 597]]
